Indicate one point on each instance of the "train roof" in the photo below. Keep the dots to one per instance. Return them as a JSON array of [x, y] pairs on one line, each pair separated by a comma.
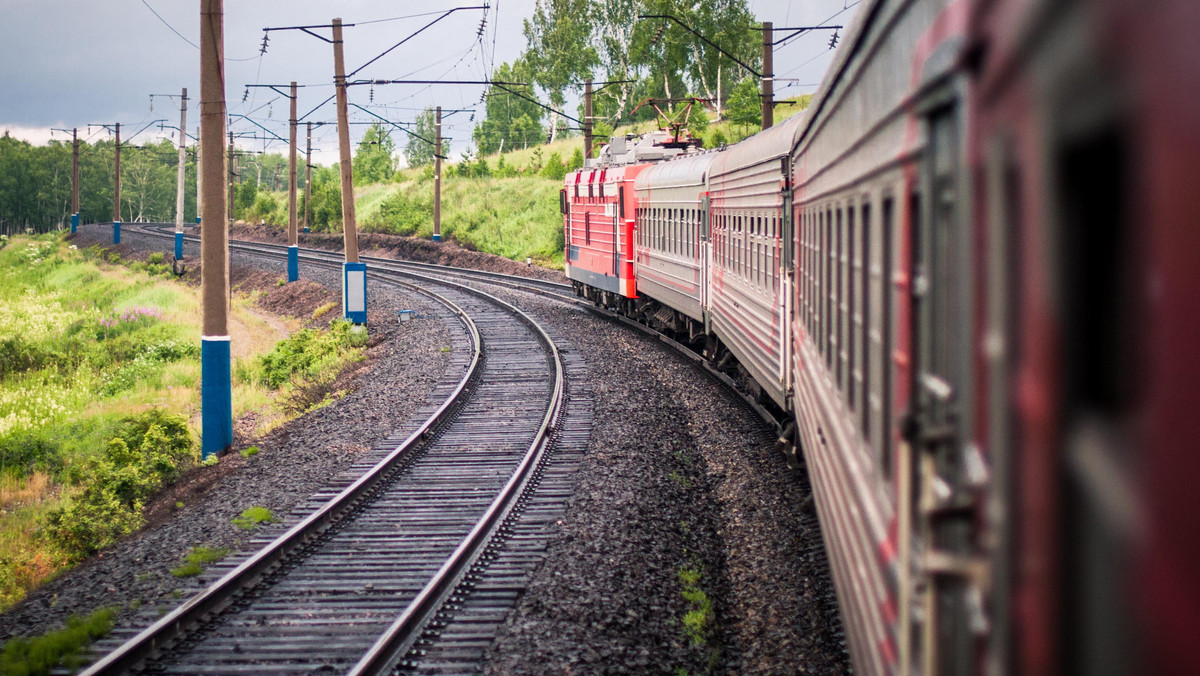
[[684, 171], [764, 146]]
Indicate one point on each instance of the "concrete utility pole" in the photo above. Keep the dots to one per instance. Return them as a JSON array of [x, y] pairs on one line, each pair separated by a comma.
[[768, 77], [182, 169], [308, 180], [293, 264], [587, 119], [354, 277], [437, 176], [74, 179], [117, 189], [216, 393]]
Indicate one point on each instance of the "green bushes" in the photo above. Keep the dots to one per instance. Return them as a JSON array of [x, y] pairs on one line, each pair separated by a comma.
[[305, 353], [29, 656], [149, 451]]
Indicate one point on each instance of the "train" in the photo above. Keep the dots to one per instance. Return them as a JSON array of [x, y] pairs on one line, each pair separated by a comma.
[[964, 281]]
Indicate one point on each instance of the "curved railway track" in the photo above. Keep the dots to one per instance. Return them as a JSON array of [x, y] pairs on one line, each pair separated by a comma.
[[451, 636], [355, 583]]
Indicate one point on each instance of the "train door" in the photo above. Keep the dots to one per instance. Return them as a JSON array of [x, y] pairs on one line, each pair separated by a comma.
[[946, 465]]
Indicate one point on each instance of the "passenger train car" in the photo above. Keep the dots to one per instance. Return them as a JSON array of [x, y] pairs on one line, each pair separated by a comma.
[[962, 280]]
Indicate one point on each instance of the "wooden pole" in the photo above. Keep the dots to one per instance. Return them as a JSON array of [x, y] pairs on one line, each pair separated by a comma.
[[308, 179], [216, 403], [437, 176], [768, 78], [293, 225], [587, 119], [179, 185], [339, 80]]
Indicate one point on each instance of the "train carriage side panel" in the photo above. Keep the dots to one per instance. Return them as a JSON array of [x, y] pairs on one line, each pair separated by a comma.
[[748, 290], [672, 229], [855, 176]]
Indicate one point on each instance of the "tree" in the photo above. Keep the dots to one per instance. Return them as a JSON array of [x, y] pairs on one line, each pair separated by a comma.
[[418, 151], [374, 161], [745, 104], [559, 49], [510, 121]]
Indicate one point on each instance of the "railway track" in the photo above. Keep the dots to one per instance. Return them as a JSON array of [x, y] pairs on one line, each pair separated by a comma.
[[397, 555], [455, 635]]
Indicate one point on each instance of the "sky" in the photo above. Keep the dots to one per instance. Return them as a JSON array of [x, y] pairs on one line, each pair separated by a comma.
[[74, 63]]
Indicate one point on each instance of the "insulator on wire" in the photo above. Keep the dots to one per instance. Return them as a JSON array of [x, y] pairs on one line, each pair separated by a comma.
[[245, 94], [472, 117], [266, 38], [833, 40], [658, 34], [152, 103], [371, 98]]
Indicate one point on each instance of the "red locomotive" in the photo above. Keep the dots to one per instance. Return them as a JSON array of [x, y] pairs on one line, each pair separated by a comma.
[[963, 279]]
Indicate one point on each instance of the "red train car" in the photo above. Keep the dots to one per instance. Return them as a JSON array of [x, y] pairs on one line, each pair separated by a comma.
[[599, 207], [1085, 149]]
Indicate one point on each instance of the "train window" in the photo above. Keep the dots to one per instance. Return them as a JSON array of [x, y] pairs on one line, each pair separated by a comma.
[[839, 299], [887, 320], [867, 327], [831, 247], [601, 188], [854, 291], [589, 190]]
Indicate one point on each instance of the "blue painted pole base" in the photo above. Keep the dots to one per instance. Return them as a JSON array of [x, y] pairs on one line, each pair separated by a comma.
[[116, 232], [216, 396], [179, 246], [437, 237], [197, 220], [74, 223], [293, 263], [305, 229], [354, 292]]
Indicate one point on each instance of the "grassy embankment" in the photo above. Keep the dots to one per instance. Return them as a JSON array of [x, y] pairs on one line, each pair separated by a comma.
[[99, 397]]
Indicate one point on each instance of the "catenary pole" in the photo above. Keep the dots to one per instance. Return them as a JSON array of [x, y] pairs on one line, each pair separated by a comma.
[[293, 266], [354, 275], [437, 176], [199, 179], [232, 185], [308, 178], [179, 201], [74, 179], [587, 119], [117, 187], [215, 383], [768, 77]]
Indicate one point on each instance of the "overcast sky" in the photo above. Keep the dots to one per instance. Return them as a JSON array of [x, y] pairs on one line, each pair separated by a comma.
[[71, 63]]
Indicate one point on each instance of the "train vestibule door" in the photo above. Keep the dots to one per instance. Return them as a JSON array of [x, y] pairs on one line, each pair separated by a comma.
[[948, 470]]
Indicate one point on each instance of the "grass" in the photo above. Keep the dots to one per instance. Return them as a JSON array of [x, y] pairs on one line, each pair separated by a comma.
[[85, 345], [195, 561], [697, 622], [250, 451], [254, 517], [38, 655]]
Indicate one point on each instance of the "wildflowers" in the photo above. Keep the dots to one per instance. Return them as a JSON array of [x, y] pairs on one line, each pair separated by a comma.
[[131, 315]]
